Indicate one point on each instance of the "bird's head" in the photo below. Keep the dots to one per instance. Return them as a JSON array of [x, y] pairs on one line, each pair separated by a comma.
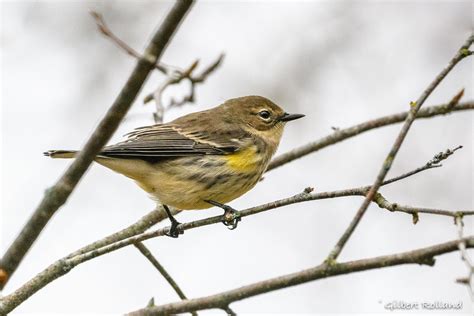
[[259, 116]]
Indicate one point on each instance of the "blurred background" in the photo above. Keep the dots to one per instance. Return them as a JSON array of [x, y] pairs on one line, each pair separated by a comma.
[[340, 63]]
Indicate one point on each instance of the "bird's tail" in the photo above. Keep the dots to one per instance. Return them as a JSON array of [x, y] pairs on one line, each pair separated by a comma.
[[60, 153]]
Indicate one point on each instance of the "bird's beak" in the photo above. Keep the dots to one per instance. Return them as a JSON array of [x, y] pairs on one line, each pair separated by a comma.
[[290, 117]]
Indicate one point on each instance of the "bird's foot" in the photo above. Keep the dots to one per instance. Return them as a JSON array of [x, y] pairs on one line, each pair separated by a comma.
[[231, 216], [174, 231]]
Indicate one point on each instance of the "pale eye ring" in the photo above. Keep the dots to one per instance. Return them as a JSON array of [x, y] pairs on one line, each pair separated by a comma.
[[264, 114]]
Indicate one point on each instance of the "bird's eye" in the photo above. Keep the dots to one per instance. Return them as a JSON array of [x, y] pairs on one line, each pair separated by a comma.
[[264, 114]]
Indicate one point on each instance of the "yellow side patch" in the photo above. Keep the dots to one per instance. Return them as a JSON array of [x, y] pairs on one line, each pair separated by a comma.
[[244, 160]]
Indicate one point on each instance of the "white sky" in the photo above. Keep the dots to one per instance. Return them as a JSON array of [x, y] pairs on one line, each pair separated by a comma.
[[340, 63]]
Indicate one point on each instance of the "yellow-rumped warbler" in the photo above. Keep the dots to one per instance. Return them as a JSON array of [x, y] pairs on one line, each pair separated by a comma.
[[200, 159]]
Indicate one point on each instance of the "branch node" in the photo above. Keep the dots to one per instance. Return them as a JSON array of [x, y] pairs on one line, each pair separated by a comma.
[[229, 310], [151, 302], [464, 281], [415, 218], [308, 190], [429, 261], [465, 52], [447, 108], [3, 276], [442, 156], [330, 262], [382, 202], [65, 265], [175, 76], [458, 216]]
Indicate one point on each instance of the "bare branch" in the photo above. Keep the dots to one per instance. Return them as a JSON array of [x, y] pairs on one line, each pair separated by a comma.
[[229, 311], [342, 134], [175, 77], [102, 247], [147, 253], [433, 163], [151, 302], [208, 70], [63, 266], [469, 280], [422, 256], [413, 210], [174, 74], [56, 196], [136, 228], [135, 234], [104, 29], [387, 164]]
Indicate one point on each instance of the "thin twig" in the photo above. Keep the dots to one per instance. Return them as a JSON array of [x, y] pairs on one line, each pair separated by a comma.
[[147, 253], [104, 29], [229, 311], [151, 218], [433, 163], [175, 77], [343, 134], [136, 228], [422, 256], [151, 302], [387, 164], [469, 280], [174, 74], [56, 196], [62, 266]]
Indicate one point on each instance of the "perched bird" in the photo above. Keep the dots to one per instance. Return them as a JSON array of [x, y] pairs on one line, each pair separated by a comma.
[[201, 159]]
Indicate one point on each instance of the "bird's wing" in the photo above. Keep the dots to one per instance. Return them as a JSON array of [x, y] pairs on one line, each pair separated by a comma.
[[162, 141]]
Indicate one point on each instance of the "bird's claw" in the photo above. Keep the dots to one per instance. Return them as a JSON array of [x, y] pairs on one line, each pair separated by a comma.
[[174, 231], [231, 218]]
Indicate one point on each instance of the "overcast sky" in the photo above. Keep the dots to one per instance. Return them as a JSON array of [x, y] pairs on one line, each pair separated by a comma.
[[340, 63]]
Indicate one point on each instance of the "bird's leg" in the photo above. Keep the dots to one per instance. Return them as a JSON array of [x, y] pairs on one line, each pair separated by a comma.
[[231, 216], [174, 231]]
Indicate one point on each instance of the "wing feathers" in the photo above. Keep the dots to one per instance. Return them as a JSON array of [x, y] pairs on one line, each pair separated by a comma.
[[166, 140]]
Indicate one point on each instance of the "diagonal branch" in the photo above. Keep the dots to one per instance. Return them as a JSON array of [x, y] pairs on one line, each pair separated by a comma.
[[155, 217], [63, 266], [174, 74], [343, 134], [104, 29], [387, 164], [422, 256], [147, 253], [136, 228], [102, 247], [56, 196], [433, 163]]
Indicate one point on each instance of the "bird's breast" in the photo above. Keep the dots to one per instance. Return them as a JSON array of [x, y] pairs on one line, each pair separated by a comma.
[[250, 159]]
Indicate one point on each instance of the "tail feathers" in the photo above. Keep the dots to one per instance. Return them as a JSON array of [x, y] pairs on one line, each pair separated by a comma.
[[60, 153]]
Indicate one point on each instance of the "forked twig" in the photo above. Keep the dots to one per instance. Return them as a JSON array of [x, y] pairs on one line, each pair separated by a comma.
[[104, 29], [57, 195], [87, 253], [175, 77], [387, 164]]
